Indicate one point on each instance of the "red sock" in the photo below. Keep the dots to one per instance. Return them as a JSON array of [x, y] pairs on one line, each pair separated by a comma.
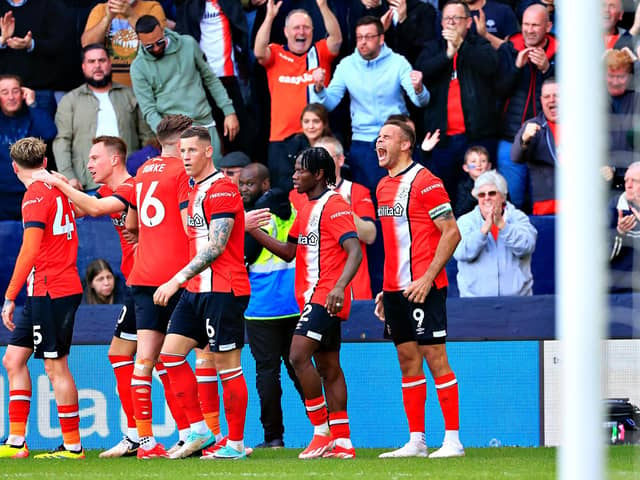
[[69, 423], [235, 398], [141, 397], [19, 405], [209, 397], [183, 385], [123, 369], [175, 406], [316, 410], [414, 397], [339, 424], [447, 388]]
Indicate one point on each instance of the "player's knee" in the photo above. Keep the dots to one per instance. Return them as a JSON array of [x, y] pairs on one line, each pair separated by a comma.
[[55, 368], [299, 360], [437, 361], [410, 361], [143, 366], [330, 373], [12, 363]]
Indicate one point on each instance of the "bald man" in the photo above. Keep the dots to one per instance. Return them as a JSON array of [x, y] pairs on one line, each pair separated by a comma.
[[526, 60]]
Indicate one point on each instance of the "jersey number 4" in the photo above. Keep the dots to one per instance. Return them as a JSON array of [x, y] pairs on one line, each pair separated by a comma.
[[148, 205], [61, 223]]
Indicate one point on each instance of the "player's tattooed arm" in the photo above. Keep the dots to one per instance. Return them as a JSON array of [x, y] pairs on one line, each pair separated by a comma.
[[447, 215], [219, 232]]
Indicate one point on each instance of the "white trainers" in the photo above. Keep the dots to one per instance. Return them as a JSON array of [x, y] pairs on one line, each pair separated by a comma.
[[194, 443], [448, 449], [410, 449], [176, 446], [125, 448]]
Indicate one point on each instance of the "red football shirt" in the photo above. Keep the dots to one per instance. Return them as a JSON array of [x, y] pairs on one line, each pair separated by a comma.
[[161, 191], [213, 198], [55, 270], [360, 200], [358, 197], [125, 192], [407, 205], [319, 229], [290, 81]]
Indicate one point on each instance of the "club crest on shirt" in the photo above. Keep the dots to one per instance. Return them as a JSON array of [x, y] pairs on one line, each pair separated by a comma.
[[314, 221], [403, 192]]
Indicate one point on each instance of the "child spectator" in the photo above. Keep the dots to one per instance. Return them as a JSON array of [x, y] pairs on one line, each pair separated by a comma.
[[100, 284], [476, 162]]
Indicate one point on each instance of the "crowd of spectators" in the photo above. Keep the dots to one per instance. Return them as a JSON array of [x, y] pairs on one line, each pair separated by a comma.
[[270, 78]]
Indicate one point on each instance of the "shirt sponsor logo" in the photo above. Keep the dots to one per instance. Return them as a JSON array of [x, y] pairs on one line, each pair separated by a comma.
[[35, 200], [285, 57], [195, 221], [311, 239], [119, 221], [296, 80], [340, 214], [386, 211], [222, 194], [431, 187]]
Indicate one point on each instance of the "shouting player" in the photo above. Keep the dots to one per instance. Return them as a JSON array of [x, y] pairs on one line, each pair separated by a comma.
[[420, 235]]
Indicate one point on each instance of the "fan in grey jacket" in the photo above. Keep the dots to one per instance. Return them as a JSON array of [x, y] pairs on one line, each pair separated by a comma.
[[494, 254]]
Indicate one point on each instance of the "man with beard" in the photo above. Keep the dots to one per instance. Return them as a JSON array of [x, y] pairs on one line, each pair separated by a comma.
[[169, 76], [96, 108]]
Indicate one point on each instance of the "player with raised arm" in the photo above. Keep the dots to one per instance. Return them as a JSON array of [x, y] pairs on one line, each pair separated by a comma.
[[324, 241], [47, 262], [420, 235], [107, 166]]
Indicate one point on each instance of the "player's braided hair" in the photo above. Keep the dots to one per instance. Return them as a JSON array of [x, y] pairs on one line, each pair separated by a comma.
[[315, 159]]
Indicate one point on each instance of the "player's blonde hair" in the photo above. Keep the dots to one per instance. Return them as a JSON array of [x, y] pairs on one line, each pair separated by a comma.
[[28, 152]]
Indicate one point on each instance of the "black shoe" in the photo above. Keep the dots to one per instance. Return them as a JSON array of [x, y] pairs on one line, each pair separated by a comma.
[[275, 443]]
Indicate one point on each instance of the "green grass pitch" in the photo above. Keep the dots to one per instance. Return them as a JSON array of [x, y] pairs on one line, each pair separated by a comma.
[[479, 463]]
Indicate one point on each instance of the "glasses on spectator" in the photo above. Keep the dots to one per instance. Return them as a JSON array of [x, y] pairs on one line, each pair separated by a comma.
[[453, 19], [490, 193], [367, 37], [158, 43]]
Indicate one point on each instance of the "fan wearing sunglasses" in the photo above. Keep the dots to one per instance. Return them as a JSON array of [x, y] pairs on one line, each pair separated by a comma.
[[169, 76], [494, 254]]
